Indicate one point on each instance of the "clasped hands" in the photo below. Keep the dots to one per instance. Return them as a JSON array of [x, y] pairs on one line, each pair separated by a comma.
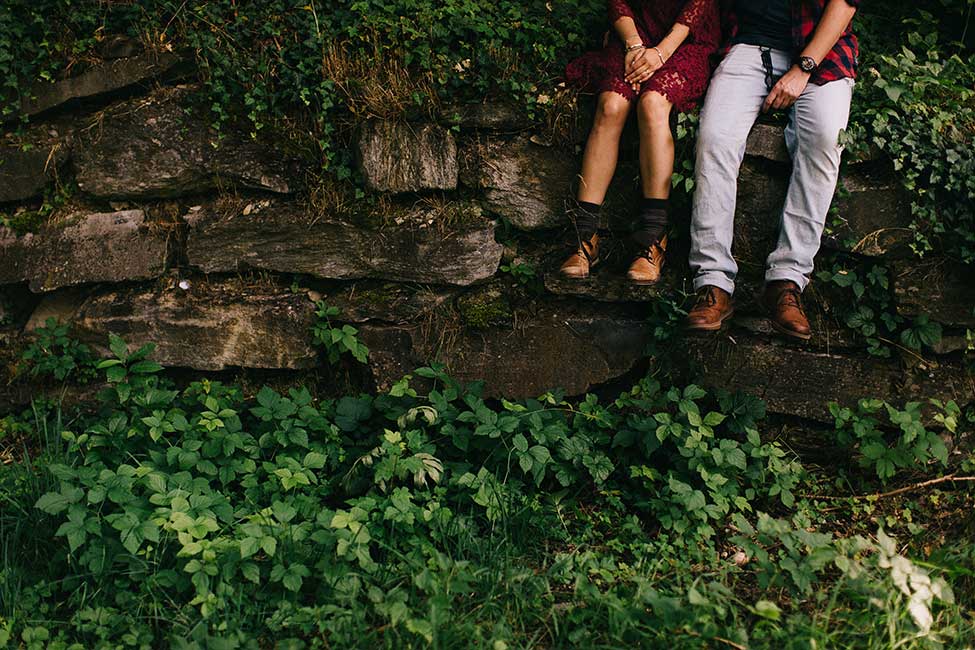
[[640, 65]]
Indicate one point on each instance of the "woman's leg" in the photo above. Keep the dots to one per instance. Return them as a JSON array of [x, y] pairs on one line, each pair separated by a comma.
[[656, 167], [598, 166], [656, 145], [602, 148]]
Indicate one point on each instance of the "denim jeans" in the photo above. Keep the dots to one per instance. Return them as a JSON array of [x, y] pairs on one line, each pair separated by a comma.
[[733, 102]]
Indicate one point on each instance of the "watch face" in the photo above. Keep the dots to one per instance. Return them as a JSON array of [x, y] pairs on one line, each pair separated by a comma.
[[807, 63]]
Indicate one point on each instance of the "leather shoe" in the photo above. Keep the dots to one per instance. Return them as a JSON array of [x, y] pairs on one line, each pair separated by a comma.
[[711, 309], [580, 262], [645, 269], [782, 301]]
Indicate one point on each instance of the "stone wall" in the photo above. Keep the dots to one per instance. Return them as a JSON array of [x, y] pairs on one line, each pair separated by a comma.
[[207, 245]]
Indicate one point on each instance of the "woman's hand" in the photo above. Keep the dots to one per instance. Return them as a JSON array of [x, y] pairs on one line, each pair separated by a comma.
[[640, 66]]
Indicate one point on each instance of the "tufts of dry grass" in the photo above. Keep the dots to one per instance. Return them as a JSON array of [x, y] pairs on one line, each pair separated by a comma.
[[379, 85]]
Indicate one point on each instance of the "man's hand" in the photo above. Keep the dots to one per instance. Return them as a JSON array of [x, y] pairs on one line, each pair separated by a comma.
[[787, 90]]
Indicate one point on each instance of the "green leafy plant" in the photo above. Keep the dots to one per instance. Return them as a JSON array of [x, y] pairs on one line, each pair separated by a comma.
[[890, 439], [53, 353], [867, 307], [919, 111], [337, 340], [198, 517]]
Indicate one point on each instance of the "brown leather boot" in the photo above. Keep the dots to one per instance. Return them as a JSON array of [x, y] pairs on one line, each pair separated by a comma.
[[585, 257], [711, 309], [783, 304], [646, 268]]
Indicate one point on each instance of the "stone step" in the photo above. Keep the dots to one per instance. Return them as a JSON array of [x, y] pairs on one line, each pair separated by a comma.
[[417, 245], [85, 248]]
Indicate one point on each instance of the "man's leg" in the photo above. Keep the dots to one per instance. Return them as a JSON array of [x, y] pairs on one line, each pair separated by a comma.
[[731, 106], [812, 135]]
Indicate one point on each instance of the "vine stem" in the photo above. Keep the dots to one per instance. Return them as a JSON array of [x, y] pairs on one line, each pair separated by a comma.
[[900, 490]]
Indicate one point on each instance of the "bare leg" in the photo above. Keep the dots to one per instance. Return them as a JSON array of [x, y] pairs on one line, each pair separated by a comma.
[[602, 148], [656, 145]]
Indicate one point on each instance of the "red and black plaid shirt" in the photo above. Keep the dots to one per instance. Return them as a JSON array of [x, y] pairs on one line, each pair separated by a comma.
[[839, 63]]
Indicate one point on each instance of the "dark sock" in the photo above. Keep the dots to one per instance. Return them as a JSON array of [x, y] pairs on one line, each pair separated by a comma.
[[651, 222], [585, 218]]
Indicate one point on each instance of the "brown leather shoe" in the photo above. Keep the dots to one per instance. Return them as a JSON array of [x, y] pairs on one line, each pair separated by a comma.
[[711, 309], [585, 257], [783, 304], [646, 268]]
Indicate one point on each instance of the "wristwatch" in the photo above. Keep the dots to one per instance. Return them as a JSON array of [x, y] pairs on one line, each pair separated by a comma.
[[807, 64]]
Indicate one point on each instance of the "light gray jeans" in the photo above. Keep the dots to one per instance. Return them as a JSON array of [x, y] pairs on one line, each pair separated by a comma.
[[733, 102]]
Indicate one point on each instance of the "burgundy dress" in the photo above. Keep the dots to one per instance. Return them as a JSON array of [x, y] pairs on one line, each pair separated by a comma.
[[683, 78]]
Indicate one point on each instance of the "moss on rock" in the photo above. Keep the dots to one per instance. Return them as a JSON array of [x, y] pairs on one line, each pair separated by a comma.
[[485, 307]]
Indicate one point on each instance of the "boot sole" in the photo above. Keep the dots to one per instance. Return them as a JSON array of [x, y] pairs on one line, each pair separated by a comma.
[[789, 333], [592, 265], [714, 327]]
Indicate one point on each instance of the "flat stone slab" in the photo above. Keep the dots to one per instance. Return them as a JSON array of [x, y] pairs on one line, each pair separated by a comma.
[[801, 382], [574, 352], [871, 216], [414, 246], [400, 157], [88, 247], [944, 291], [210, 326], [767, 141], [151, 148], [488, 116], [525, 183], [24, 174], [608, 285], [98, 80]]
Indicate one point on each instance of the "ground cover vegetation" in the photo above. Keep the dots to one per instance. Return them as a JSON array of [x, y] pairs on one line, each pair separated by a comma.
[[194, 516]]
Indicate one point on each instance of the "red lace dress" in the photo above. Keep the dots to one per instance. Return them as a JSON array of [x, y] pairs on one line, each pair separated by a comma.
[[683, 78]]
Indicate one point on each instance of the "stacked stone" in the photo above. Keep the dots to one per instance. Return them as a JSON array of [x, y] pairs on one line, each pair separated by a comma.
[[169, 214]]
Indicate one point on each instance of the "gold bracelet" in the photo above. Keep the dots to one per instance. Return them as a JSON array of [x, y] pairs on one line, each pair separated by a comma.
[[660, 54]]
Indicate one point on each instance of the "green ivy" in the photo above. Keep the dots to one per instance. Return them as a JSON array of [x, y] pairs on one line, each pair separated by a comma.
[[55, 354]]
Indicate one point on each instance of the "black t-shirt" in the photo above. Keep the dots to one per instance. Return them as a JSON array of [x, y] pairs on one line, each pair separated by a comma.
[[764, 22]]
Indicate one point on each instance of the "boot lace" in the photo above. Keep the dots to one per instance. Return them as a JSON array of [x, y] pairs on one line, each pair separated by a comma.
[[791, 298], [705, 297]]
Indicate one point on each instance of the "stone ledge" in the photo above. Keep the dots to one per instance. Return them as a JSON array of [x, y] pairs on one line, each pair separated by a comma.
[[771, 370], [287, 239], [210, 326], [940, 289], [574, 352], [100, 79], [94, 247], [151, 148], [400, 157], [25, 174], [487, 116]]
